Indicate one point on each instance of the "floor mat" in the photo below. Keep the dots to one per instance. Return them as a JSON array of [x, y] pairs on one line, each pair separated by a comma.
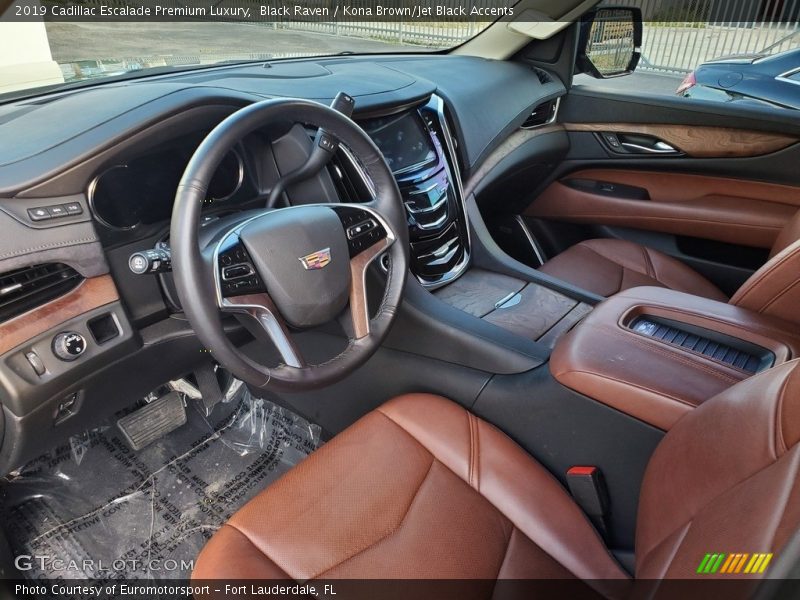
[[101, 511]]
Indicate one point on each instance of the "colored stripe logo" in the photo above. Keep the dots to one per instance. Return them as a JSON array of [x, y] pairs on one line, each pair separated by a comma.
[[734, 564]]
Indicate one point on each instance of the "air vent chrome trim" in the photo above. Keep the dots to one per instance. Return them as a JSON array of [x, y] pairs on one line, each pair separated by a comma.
[[551, 119], [436, 103]]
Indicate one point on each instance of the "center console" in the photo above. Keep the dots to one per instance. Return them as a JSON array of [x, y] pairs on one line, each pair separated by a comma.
[[420, 149], [656, 354]]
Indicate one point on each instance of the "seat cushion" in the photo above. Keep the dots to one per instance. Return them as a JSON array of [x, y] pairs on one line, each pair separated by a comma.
[[606, 267], [418, 489]]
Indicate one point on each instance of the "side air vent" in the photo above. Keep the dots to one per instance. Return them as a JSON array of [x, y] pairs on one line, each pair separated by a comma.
[[29, 287], [541, 115], [736, 353], [544, 76]]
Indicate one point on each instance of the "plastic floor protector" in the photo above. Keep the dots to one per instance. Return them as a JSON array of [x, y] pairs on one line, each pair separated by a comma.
[[101, 511]]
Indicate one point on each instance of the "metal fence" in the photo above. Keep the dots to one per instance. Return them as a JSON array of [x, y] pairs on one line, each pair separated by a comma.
[[443, 32], [681, 34], [424, 34]]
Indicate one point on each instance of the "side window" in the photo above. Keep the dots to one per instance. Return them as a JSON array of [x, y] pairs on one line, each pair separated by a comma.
[[740, 51]]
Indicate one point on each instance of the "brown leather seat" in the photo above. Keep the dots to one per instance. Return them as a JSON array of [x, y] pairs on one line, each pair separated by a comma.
[[421, 488], [607, 266]]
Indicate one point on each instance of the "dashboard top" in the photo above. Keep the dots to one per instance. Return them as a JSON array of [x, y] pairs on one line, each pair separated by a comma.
[[486, 101]]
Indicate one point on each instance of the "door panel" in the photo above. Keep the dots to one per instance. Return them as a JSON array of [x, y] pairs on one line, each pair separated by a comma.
[[717, 203], [698, 141], [748, 213]]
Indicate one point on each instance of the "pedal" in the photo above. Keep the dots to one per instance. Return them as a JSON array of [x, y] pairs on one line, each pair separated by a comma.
[[151, 422]]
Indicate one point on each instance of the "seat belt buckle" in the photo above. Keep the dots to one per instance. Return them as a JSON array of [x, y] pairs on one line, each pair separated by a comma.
[[588, 489]]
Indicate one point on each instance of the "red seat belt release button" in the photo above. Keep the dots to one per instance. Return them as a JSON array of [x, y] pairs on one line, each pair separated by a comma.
[[588, 489]]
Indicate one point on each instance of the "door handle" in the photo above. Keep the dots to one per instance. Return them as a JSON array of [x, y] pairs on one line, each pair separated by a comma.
[[659, 147], [631, 143]]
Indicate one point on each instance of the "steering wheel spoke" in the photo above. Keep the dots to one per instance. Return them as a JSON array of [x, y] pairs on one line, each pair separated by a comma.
[[359, 301], [241, 290], [261, 308], [368, 237]]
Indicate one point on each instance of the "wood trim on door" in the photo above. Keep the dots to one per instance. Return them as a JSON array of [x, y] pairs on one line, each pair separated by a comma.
[[700, 142], [90, 294], [514, 141]]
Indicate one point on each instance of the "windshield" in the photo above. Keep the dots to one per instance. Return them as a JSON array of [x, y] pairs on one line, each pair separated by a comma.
[[48, 42]]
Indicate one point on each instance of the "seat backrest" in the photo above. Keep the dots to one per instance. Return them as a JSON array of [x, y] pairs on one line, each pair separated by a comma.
[[775, 288], [788, 236], [724, 480]]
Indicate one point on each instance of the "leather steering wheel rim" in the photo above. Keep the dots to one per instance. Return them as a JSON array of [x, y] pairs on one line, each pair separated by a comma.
[[194, 266]]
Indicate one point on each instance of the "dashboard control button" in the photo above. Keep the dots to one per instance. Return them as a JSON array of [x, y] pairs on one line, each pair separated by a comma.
[[36, 362], [57, 211], [38, 214], [138, 263], [69, 345], [158, 260], [73, 208]]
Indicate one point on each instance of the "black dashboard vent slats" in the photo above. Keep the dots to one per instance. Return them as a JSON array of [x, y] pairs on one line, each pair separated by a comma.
[[348, 184], [29, 287], [541, 115], [751, 359]]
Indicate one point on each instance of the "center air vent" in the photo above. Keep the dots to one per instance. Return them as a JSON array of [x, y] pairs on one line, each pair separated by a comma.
[[542, 115], [29, 287]]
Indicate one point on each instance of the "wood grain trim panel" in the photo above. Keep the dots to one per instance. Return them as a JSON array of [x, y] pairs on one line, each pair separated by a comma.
[[701, 142], [90, 294], [741, 212], [359, 303], [514, 141]]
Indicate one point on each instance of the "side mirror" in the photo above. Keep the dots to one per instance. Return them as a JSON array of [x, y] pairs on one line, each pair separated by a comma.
[[610, 42]]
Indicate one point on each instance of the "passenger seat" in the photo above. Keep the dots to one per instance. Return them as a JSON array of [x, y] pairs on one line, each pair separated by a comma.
[[607, 266]]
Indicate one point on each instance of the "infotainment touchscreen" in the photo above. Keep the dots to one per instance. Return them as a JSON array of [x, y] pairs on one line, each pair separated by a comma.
[[402, 139]]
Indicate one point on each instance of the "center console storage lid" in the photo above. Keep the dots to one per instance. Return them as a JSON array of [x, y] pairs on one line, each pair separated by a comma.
[[656, 354]]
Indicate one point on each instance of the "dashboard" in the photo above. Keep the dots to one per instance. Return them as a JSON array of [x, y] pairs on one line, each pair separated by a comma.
[[82, 190]]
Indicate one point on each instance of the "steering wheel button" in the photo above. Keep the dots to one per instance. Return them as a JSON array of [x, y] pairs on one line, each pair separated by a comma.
[[237, 271]]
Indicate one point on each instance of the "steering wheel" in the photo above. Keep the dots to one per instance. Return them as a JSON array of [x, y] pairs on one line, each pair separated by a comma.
[[294, 267]]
